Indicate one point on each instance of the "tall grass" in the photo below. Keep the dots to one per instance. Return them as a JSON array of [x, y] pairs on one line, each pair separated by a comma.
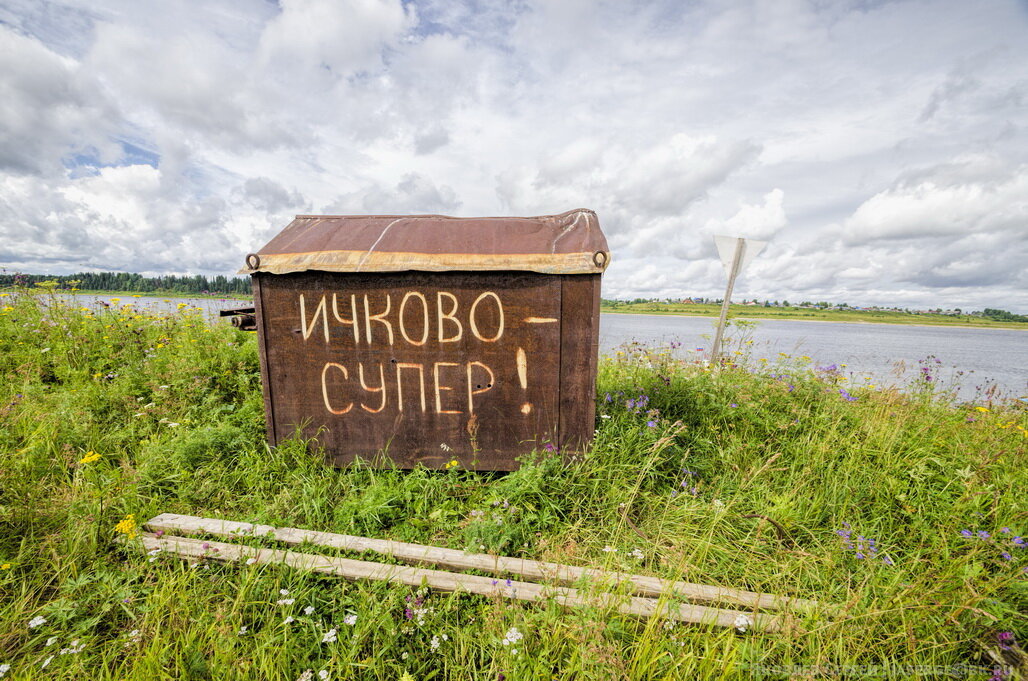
[[907, 509]]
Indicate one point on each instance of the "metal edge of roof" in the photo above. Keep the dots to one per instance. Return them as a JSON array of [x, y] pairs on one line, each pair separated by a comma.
[[368, 261]]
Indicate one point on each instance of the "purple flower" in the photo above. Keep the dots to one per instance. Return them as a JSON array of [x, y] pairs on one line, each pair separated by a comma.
[[966, 534], [1005, 639], [887, 560], [651, 424], [1019, 541], [846, 396], [982, 534], [733, 404], [1006, 556]]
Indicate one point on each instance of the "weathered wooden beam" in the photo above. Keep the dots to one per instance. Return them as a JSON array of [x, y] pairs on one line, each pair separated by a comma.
[[522, 567], [451, 581]]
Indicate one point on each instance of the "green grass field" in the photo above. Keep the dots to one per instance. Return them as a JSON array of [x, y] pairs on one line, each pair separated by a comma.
[[809, 314], [907, 509]]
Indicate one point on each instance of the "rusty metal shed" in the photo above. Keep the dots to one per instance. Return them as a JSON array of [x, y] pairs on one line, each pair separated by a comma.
[[431, 339]]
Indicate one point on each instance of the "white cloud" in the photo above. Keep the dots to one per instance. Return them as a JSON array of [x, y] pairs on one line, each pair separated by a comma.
[[879, 146]]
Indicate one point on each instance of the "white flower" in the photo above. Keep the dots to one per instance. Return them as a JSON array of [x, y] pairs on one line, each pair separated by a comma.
[[512, 636], [718, 504], [434, 643], [445, 447], [288, 620], [604, 416], [284, 592], [609, 549], [323, 674], [46, 663], [242, 630], [251, 561], [350, 620], [309, 610], [306, 676], [329, 637], [153, 555], [285, 601], [4, 668], [50, 641], [37, 621], [637, 554], [742, 622]]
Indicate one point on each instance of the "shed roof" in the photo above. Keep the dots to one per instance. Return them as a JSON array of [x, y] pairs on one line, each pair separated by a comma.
[[569, 243]]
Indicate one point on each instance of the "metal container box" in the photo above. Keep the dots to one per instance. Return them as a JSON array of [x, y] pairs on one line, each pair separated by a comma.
[[428, 339]]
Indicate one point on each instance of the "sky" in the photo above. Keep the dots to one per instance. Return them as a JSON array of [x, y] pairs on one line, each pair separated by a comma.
[[880, 148]]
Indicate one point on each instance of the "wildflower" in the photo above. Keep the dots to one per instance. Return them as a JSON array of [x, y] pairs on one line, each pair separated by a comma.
[[846, 396], [306, 676], [742, 623], [153, 555], [251, 561], [609, 549], [288, 620], [309, 610], [285, 601], [50, 641], [1006, 556], [512, 636], [637, 554], [37, 621], [651, 424], [46, 662], [445, 447], [323, 674], [1019, 541], [350, 620], [90, 457], [5, 566], [966, 534], [74, 649], [452, 463], [128, 526], [733, 405], [4, 668], [982, 534], [329, 637], [242, 630], [604, 416]]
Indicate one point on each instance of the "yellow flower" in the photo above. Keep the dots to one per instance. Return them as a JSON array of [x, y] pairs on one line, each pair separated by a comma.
[[128, 526], [90, 457], [5, 566], [983, 409], [115, 300], [452, 464], [406, 677]]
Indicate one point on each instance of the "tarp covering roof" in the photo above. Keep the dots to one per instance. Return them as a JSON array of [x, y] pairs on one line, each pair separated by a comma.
[[569, 243]]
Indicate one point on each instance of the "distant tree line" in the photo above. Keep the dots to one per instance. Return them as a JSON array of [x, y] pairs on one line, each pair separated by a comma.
[[1003, 315], [129, 281]]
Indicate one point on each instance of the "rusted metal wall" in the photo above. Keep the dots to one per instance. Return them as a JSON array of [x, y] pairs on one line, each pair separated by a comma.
[[429, 367]]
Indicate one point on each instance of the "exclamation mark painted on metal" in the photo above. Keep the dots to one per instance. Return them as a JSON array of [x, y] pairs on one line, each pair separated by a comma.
[[522, 361]]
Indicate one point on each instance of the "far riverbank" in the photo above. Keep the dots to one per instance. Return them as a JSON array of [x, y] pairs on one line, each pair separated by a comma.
[[799, 314]]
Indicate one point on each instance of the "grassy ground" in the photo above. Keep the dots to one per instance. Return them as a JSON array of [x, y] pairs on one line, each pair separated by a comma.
[[117, 413], [810, 314]]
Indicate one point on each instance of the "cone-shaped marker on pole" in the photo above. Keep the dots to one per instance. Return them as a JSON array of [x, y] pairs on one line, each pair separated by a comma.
[[735, 254]]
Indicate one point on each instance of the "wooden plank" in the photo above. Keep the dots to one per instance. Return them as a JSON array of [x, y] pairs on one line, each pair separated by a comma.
[[579, 348], [450, 581], [451, 558], [425, 366]]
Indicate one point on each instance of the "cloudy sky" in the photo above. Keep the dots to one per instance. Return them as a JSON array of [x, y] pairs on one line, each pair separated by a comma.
[[880, 147]]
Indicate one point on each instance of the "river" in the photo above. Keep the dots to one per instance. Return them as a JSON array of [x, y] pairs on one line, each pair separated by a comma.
[[968, 360]]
